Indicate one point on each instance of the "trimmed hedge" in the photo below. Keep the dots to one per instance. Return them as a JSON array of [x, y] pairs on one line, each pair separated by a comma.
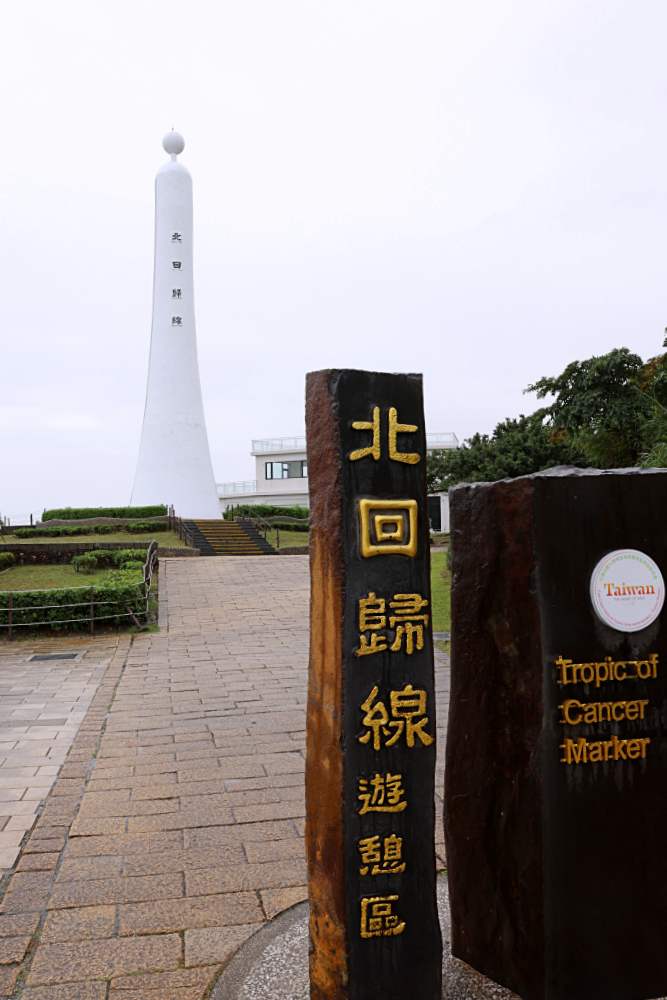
[[65, 531], [265, 510], [143, 527], [79, 513], [289, 526], [123, 592], [42, 553], [88, 562], [7, 559], [71, 531]]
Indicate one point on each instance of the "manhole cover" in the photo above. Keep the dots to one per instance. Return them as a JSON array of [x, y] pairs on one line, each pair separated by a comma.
[[53, 656]]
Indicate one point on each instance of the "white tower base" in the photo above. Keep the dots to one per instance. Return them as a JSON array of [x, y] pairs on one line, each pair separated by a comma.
[[174, 465]]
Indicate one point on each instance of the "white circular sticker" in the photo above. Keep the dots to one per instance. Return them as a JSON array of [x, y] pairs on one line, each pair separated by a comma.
[[627, 590]]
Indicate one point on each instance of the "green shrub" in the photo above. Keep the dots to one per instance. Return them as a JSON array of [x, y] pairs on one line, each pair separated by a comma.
[[71, 531], [60, 532], [119, 556], [265, 510], [7, 559], [69, 608], [134, 565], [79, 513], [145, 527], [85, 563], [88, 562], [65, 531]]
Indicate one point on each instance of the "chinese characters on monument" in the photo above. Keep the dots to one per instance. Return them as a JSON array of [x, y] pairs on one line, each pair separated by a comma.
[[371, 711]]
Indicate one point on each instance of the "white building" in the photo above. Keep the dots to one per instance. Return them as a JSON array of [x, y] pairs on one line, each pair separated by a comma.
[[174, 464], [281, 477]]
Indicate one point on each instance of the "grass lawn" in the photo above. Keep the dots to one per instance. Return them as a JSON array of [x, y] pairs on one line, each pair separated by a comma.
[[287, 538], [45, 577], [440, 577], [165, 539], [440, 588]]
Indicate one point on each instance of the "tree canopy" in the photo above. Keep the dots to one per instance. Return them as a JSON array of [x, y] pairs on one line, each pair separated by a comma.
[[517, 447], [607, 412], [612, 408]]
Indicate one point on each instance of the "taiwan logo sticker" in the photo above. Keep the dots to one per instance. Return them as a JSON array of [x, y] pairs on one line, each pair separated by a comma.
[[627, 590]]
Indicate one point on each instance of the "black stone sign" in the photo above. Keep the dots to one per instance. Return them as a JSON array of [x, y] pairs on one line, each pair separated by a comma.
[[556, 771], [371, 708]]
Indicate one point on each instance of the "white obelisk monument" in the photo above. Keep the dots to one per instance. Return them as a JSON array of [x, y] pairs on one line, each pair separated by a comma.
[[174, 465]]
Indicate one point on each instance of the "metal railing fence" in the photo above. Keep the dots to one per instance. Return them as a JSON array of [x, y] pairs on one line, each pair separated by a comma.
[[183, 531], [12, 610]]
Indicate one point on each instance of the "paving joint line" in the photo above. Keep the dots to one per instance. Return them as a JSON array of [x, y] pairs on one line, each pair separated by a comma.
[[26, 961]]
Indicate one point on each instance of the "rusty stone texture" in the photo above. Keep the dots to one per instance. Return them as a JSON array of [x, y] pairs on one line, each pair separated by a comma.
[[494, 726], [324, 759], [352, 957], [557, 870]]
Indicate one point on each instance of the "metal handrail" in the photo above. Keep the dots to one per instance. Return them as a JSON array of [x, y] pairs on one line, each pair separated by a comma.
[[149, 566], [437, 441], [178, 525], [268, 445], [237, 488], [259, 522]]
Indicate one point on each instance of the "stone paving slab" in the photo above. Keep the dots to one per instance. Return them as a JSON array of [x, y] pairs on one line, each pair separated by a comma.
[[42, 705], [174, 829]]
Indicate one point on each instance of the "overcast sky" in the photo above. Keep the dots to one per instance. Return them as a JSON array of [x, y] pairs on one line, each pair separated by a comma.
[[473, 190]]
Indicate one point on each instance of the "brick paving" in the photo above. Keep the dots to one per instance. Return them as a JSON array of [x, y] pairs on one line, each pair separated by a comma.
[[42, 705], [174, 829]]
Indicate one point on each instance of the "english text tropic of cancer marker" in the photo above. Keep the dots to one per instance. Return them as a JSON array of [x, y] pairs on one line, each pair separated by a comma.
[[556, 771], [371, 709]]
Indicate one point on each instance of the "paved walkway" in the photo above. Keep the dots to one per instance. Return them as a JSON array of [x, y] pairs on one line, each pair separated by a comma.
[[175, 827], [42, 704]]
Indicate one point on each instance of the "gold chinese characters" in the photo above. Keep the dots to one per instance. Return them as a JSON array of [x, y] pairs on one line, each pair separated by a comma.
[[383, 793], [391, 623], [388, 527], [378, 918], [381, 855], [406, 718], [374, 450], [406, 622]]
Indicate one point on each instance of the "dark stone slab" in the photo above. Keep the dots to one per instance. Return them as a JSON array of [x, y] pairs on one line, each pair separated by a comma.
[[371, 723], [557, 868]]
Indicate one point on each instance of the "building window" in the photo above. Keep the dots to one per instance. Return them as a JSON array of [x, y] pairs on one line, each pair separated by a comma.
[[286, 470]]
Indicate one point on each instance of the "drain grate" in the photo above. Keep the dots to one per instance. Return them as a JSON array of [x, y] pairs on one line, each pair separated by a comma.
[[53, 656]]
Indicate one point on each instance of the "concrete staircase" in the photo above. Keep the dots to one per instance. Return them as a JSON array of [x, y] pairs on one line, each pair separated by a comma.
[[228, 538]]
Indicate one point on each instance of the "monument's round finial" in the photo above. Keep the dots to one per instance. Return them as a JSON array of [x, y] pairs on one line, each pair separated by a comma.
[[173, 143]]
